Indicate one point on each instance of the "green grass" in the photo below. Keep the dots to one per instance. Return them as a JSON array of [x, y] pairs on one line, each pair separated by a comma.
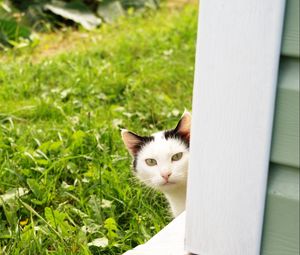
[[60, 141]]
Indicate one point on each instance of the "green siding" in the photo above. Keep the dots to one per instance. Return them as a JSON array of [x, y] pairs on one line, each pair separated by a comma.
[[285, 143], [281, 226], [290, 44]]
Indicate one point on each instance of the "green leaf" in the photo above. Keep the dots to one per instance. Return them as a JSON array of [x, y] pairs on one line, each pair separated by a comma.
[[58, 221], [76, 11], [78, 139], [10, 212], [111, 226], [55, 146], [78, 135], [36, 188], [51, 146], [11, 31]]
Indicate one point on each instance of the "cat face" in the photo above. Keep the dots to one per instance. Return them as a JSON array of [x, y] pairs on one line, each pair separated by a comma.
[[161, 160]]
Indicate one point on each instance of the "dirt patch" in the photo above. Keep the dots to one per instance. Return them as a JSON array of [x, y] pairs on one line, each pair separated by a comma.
[[67, 40]]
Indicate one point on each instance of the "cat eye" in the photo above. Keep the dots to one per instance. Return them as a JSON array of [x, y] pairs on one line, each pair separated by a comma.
[[177, 156], [151, 162]]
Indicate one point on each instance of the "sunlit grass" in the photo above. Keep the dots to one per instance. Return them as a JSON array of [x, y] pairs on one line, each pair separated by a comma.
[[59, 136]]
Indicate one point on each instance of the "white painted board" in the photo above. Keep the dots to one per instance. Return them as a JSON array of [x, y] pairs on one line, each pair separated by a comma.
[[169, 241], [237, 57]]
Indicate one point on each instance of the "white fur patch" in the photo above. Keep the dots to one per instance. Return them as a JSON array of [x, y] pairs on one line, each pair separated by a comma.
[[162, 150], [161, 172]]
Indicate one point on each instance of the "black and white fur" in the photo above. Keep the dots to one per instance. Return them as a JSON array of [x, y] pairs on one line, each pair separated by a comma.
[[167, 175]]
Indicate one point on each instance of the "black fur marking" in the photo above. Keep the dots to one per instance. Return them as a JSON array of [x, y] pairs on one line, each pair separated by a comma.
[[143, 141], [134, 163], [173, 133]]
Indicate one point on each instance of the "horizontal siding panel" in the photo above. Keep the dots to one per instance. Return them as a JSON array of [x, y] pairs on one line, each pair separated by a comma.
[[281, 225], [285, 142], [290, 44]]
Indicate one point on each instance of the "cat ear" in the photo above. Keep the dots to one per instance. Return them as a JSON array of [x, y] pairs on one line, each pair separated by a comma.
[[132, 141], [183, 127]]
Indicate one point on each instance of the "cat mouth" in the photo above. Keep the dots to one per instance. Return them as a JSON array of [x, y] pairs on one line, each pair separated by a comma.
[[168, 183]]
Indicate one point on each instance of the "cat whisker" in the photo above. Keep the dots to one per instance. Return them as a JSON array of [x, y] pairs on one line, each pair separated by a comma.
[[146, 182], [149, 179], [179, 174]]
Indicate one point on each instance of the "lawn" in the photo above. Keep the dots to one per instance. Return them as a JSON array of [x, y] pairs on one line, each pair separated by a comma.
[[62, 105]]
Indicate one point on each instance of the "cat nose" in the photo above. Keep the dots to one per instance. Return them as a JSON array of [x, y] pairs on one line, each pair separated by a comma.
[[165, 175]]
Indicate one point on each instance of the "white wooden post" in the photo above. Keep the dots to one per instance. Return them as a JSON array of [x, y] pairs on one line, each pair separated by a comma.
[[237, 59]]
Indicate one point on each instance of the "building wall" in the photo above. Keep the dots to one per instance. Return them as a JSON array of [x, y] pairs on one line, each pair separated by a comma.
[[281, 227]]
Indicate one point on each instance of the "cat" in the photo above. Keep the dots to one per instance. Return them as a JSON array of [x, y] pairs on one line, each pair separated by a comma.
[[161, 160]]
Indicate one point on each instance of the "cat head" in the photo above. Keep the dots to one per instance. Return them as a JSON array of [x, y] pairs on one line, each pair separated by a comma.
[[161, 159]]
